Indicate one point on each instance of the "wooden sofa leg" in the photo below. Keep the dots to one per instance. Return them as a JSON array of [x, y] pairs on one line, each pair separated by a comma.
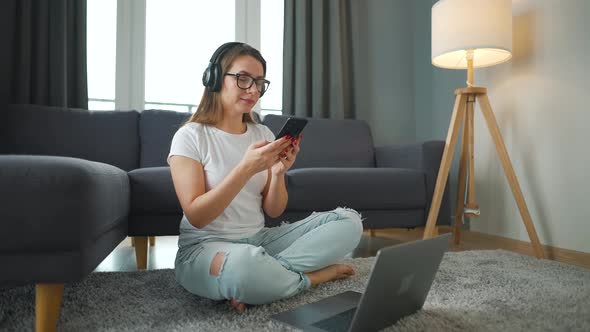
[[47, 306], [372, 232], [133, 241], [152, 241], [141, 251]]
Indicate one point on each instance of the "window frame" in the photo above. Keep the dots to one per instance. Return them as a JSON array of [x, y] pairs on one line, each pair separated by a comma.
[[131, 49]]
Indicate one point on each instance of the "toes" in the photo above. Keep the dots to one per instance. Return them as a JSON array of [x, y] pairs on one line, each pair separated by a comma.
[[239, 306], [349, 271]]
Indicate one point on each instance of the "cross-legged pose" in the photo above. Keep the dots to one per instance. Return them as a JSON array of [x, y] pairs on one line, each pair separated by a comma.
[[228, 171]]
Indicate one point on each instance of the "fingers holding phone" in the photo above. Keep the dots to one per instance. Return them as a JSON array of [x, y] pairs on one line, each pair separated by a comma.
[[263, 155], [279, 154], [294, 146], [287, 156]]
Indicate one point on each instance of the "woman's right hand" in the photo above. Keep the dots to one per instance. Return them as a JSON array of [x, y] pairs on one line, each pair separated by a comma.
[[263, 155]]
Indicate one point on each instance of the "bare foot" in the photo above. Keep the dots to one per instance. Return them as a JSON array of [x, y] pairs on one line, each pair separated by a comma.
[[331, 272], [239, 306]]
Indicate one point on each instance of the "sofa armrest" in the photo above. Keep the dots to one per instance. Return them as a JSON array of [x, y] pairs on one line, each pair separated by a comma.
[[58, 203], [425, 156]]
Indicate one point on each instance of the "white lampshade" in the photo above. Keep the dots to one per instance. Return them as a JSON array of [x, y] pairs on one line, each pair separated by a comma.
[[484, 26]]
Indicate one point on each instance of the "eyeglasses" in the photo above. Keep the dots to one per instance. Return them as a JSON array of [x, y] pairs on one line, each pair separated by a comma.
[[245, 82]]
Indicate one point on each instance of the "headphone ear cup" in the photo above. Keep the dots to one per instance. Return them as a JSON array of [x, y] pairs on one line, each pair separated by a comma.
[[207, 76], [216, 77], [212, 76]]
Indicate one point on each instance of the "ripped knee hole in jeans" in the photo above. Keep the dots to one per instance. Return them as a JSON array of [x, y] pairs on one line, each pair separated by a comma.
[[217, 263]]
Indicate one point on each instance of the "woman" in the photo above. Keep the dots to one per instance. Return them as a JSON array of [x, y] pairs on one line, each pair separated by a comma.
[[227, 170]]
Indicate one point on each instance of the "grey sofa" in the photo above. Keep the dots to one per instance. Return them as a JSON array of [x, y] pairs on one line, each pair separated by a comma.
[[74, 184], [338, 165]]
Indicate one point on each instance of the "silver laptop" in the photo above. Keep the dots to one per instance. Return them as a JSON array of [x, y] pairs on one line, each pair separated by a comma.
[[397, 287]]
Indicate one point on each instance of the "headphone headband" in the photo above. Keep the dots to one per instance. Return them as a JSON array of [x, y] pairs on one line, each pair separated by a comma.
[[220, 50]]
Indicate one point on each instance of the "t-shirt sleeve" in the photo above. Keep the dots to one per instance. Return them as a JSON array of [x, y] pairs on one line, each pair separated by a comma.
[[184, 143]]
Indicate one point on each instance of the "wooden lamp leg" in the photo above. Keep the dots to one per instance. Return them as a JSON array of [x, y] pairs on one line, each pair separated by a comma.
[[445, 164], [509, 171]]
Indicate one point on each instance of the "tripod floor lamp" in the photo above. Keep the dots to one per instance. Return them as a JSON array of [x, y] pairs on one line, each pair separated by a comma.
[[468, 34]]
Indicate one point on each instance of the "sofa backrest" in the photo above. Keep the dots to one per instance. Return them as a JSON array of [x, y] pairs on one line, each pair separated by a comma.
[[156, 129], [110, 137], [331, 142]]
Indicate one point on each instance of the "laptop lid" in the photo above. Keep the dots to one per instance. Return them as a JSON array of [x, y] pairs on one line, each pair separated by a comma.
[[399, 282]]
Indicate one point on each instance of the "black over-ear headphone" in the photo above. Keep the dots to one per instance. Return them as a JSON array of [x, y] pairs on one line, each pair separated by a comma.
[[212, 76]]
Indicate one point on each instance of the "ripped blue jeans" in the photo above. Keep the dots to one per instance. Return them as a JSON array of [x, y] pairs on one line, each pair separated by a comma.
[[271, 264]]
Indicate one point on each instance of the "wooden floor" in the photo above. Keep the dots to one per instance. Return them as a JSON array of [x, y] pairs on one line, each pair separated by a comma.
[[161, 256]]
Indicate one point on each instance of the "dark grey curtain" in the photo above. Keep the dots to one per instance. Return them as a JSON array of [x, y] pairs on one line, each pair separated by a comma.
[[317, 59], [44, 52]]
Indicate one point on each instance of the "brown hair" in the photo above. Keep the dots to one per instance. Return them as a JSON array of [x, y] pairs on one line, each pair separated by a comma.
[[210, 111]]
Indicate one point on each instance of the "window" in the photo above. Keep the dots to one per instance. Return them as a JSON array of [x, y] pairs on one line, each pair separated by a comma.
[[179, 44], [271, 40], [164, 72], [101, 36]]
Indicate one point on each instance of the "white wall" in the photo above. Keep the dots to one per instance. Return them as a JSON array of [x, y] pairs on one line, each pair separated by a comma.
[[540, 99], [542, 105]]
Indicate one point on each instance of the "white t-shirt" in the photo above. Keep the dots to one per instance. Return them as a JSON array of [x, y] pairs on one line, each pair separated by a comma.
[[219, 152]]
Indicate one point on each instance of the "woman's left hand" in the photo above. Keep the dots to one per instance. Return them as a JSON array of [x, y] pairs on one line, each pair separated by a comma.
[[287, 157]]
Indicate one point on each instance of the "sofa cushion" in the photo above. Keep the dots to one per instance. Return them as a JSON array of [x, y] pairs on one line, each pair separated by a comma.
[[331, 142], [109, 137], [152, 192], [156, 129], [317, 189]]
